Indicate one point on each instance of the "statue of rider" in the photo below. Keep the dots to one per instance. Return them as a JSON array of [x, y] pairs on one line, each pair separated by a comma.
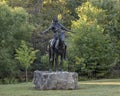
[[59, 31]]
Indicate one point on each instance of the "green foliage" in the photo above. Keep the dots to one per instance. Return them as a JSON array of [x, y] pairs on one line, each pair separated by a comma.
[[112, 24], [25, 55], [45, 61], [72, 5], [94, 47], [93, 50], [11, 80], [14, 26]]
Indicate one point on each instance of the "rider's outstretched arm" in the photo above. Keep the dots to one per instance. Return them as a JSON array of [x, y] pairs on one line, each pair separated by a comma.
[[64, 27], [47, 30]]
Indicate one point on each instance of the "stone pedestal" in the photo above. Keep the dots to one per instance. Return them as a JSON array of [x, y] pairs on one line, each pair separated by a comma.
[[45, 80]]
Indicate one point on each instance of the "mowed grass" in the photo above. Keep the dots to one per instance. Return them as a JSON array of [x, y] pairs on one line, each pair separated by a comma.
[[86, 88]]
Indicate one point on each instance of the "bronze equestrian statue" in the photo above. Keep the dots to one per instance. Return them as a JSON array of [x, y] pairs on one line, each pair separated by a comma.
[[57, 45]]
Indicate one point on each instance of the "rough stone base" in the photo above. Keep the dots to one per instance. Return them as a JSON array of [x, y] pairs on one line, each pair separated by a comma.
[[45, 80]]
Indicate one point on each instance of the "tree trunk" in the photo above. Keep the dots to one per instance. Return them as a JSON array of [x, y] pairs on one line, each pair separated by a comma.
[[26, 75]]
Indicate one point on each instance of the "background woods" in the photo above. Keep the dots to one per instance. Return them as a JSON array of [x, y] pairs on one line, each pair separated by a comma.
[[93, 48]]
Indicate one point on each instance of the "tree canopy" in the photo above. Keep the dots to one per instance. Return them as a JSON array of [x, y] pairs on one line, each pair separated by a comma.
[[93, 48], [14, 27]]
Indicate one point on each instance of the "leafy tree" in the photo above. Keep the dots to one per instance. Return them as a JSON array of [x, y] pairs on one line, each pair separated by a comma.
[[42, 12], [111, 24], [99, 18], [72, 5], [25, 55], [14, 27], [93, 50]]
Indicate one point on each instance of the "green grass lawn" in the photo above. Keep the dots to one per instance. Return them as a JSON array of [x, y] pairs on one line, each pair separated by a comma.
[[27, 89]]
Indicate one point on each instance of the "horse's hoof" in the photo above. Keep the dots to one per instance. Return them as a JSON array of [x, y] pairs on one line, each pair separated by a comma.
[[50, 70], [51, 59], [65, 58], [57, 71], [61, 70]]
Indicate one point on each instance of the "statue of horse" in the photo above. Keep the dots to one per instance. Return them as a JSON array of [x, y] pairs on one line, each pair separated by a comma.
[[54, 54]]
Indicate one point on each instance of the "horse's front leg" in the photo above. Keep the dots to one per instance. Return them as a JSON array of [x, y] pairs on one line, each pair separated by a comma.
[[61, 62], [51, 58], [56, 62], [51, 65]]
